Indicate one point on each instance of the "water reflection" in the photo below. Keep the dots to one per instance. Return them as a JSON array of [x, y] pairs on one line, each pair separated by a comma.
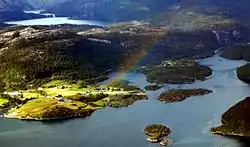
[[61, 121]]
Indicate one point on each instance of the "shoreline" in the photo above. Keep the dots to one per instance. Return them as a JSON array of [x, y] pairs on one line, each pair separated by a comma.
[[228, 134], [46, 119]]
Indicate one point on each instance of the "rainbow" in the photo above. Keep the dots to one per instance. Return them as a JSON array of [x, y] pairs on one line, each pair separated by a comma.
[[132, 61]]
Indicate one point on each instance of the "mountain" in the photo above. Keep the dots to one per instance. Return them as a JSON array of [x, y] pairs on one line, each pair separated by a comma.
[[51, 3], [15, 15], [32, 55], [11, 10], [176, 14], [152, 44], [28, 4], [174, 30], [21, 4], [109, 10], [238, 52], [235, 121], [204, 14]]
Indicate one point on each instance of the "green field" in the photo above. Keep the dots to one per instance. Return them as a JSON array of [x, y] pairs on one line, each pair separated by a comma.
[[74, 101], [3, 101]]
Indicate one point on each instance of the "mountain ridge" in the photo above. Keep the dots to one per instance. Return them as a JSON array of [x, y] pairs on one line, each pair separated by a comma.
[[173, 13]]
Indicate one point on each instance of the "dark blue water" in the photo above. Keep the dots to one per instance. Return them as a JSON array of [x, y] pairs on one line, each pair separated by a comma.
[[109, 127]]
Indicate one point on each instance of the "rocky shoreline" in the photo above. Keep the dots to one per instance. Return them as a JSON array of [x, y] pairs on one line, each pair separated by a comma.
[[117, 45], [235, 121], [158, 133], [227, 134]]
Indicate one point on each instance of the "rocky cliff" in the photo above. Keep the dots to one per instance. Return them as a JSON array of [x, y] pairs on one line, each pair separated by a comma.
[[235, 122]]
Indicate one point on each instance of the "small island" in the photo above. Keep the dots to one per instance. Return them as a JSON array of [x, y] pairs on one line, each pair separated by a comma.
[[157, 133], [243, 73], [236, 121], [153, 87], [177, 95], [176, 72]]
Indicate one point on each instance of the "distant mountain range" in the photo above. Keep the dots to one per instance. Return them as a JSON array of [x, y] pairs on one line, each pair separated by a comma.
[[120, 10], [11, 10], [20, 4], [28, 4], [177, 14], [110, 10]]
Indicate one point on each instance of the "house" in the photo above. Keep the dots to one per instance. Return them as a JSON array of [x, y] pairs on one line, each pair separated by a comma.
[[60, 98]]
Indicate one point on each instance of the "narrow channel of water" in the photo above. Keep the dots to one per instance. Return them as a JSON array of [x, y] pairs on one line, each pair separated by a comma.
[[123, 127]]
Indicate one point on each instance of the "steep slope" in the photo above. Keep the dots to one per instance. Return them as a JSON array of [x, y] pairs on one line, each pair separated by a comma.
[[12, 4], [21, 4], [13, 9], [176, 13], [15, 15], [149, 44], [33, 55], [52, 3], [235, 121], [193, 15], [238, 52], [110, 10]]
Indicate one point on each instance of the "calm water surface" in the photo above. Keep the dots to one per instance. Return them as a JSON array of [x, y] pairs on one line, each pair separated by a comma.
[[53, 20], [56, 21], [109, 127]]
